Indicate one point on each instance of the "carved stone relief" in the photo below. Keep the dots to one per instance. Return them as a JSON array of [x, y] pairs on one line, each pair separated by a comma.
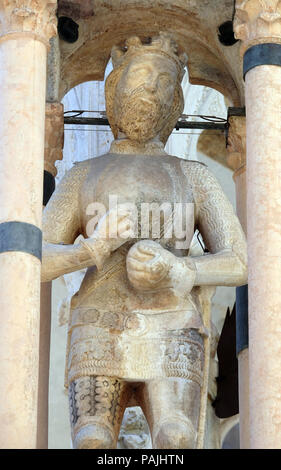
[[31, 16], [257, 21]]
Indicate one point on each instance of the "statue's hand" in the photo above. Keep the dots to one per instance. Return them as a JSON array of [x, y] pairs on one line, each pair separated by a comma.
[[151, 267], [114, 229], [148, 265]]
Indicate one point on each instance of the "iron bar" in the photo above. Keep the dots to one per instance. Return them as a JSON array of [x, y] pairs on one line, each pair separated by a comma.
[[222, 126]]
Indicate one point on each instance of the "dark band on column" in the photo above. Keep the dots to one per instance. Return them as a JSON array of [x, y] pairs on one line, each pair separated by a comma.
[[262, 54], [49, 186], [20, 236], [242, 330]]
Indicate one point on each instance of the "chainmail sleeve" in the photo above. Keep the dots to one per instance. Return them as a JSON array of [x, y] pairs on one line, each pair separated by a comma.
[[215, 217], [61, 217]]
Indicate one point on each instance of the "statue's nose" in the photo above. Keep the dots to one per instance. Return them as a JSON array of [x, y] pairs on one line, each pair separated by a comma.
[[151, 84]]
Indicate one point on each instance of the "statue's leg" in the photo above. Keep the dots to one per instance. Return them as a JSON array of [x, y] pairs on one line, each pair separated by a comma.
[[97, 405], [172, 408]]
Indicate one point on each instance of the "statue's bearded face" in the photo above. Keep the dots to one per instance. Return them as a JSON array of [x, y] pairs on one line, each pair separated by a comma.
[[144, 96]]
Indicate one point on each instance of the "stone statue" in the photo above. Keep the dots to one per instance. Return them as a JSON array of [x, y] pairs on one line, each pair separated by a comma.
[[137, 332]]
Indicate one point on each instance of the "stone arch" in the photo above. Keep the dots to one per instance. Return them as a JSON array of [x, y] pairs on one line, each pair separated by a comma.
[[194, 25]]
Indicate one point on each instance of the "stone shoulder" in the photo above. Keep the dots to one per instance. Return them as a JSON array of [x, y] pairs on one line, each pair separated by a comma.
[[78, 172], [83, 166], [192, 163], [199, 176]]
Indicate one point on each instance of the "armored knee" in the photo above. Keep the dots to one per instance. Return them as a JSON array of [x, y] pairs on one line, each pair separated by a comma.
[[175, 435], [94, 436]]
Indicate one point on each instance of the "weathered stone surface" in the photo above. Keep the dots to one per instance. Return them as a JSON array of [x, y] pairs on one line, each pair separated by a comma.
[[213, 145], [54, 136], [76, 9], [193, 23], [25, 30], [140, 330], [29, 17], [257, 21]]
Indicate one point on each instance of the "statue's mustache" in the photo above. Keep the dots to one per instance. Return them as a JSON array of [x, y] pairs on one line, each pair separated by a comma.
[[141, 92]]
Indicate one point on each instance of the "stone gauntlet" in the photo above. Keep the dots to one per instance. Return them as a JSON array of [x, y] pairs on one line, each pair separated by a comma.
[[113, 230], [98, 249], [151, 267]]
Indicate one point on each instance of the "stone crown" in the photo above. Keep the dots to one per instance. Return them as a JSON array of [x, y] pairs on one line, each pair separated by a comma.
[[163, 44]]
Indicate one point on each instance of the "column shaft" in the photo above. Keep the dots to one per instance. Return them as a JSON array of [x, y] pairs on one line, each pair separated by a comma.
[[263, 104], [22, 104], [258, 25]]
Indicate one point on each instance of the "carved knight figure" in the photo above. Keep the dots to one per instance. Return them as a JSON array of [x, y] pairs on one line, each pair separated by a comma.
[[136, 329]]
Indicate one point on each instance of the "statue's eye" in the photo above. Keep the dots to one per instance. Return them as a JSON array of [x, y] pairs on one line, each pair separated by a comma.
[[165, 81]]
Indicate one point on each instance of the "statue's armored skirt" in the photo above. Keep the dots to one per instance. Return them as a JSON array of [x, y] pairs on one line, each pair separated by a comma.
[[139, 336]]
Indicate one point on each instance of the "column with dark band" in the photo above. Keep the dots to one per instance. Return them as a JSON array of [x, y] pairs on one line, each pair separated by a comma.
[[258, 26], [24, 40]]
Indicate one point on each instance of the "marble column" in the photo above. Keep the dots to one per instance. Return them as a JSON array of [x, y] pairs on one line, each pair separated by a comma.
[[54, 138], [236, 146], [258, 22], [25, 30]]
